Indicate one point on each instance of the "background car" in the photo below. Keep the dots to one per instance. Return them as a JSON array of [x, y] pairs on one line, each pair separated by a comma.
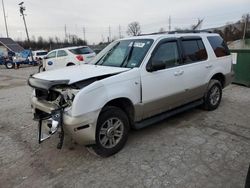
[[67, 57], [39, 54]]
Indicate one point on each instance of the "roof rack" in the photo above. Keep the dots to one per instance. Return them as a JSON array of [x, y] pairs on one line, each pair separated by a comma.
[[190, 31], [176, 32]]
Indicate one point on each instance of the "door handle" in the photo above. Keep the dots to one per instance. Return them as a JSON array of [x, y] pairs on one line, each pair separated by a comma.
[[209, 66], [178, 73]]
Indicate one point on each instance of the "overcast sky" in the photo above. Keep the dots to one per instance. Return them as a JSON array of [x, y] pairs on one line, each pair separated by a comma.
[[48, 17]]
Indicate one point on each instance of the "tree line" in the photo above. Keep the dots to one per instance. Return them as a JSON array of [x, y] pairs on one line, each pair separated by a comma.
[[52, 43]]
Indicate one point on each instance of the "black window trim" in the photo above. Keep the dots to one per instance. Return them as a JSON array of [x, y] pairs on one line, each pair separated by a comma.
[[187, 38], [163, 41]]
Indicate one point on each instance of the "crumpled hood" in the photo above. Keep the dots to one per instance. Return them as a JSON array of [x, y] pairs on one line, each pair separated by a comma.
[[78, 73]]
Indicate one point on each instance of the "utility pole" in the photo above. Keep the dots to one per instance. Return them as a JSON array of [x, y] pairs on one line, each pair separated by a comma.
[[22, 9], [169, 23], [4, 16], [65, 32], [109, 38], [120, 32], [84, 33], [245, 26]]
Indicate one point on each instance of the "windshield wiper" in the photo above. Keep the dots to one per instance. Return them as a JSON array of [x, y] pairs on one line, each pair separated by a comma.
[[128, 56]]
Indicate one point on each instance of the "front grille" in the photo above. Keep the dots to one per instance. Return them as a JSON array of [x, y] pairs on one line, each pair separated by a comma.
[[46, 95]]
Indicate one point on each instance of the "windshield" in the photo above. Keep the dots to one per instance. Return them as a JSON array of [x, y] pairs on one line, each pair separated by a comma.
[[124, 53]]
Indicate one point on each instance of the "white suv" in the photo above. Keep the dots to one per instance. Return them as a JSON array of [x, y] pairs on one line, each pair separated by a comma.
[[132, 83], [67, 57]]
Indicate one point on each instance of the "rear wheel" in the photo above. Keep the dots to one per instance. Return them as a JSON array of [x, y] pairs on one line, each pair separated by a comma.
[[9, 65], [213, 96], [111, 131]]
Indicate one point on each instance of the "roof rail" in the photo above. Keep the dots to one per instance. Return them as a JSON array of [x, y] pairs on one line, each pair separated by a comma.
[[176, 32], [190, 31], [156, 33]]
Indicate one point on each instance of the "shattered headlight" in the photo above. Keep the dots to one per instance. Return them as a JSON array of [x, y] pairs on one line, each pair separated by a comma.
[[68, 94]]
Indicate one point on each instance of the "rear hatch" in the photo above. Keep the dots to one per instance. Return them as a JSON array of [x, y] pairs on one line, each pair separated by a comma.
[[87, 53]]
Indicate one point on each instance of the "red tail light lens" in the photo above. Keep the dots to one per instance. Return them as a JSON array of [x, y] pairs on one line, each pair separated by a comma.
[[79, 58]]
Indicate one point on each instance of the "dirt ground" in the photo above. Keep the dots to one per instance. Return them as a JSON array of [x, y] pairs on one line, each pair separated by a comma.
[[193, 149]]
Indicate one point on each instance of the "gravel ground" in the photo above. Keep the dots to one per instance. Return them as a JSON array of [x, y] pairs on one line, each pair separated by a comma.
[[193, 149]]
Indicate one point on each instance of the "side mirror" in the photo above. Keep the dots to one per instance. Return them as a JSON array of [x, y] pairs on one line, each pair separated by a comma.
[[45, 57], [155, 65]]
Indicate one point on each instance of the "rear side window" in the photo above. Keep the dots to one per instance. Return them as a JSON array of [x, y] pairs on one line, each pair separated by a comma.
[[61, 53], [194, 50], [219, 46], [82, 50], [41, 53]]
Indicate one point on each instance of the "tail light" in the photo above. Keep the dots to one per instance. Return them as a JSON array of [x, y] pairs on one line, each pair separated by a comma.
[[80, 58]]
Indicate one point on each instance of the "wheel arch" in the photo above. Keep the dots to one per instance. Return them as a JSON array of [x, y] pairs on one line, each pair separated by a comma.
[[124, 104], [70, 64], [220, 77]]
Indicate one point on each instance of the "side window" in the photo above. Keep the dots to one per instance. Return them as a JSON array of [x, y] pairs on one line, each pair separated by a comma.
[[167, 53], [51, 55], [194, 50], [61, 53], [219, 46]]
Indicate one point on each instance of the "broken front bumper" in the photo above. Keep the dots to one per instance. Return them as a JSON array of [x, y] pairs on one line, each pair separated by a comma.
[[81, 128]]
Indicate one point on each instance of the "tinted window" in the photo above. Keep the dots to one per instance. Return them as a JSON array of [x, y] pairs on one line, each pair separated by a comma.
[[51, 55], [167, 53], [41, 53], [61, 53], [219, 46], [194, 50], [82, 50]]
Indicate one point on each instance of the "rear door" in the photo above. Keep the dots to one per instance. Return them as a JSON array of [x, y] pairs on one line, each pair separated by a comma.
[[61, 59], [195, 67]]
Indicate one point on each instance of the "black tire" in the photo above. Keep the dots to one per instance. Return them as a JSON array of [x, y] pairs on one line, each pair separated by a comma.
[[213, 95], [9, 65], [111, 114]]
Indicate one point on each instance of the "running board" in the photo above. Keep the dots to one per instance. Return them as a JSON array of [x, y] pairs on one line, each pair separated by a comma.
[[165, 115]]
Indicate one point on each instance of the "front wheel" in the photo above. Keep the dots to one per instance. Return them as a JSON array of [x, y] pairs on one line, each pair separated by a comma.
[[111, 131], [9, 65], [213, 95]]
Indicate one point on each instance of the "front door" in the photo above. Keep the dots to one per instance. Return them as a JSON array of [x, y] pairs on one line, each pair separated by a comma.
[[163, 89]]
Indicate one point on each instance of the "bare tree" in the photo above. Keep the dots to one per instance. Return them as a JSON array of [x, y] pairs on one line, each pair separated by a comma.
[[198, 25], [134, 29], [162, 30]]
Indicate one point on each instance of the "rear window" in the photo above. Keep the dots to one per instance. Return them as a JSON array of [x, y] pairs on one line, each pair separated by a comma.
[[82, 50], [41, 53], [194, 50], [219, 46]]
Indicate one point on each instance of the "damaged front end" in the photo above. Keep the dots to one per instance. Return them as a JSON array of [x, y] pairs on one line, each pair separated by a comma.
[[49, 102]]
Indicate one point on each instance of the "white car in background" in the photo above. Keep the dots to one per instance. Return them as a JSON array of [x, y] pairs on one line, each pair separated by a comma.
[[68, 57], [39, 54]]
